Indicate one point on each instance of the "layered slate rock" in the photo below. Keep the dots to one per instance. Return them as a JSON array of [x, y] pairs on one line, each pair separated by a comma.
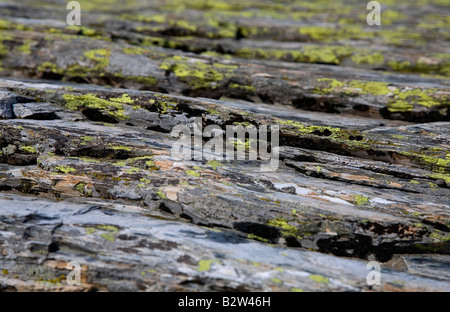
[[87, 171], [222, 55], [120, 248]]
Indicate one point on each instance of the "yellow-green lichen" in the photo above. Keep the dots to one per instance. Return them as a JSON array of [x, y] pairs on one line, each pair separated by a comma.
[[120, 147], [83, 30], [134, 50], [192, 173], [242, 87], [145, 181], [317, 32], [400, 106], [186, 25], [319, 279], [80, 187], [65, 169], [369, 58], [111, 107], [85, 191], [28, 149], [111, 232], [25, 48], [56, 281], [204, 265], [441, 176], [198, 74], [213, 111], [440, 236], [214, 164], [145, 80], [308, 54], [258, 238], [100, 56], [398, 100], [5, 24], [50, 67], [90, 230], [154, 18], [124, 99], [353, 139], [86, 140], [144, 162], [286, 228], [370, 87], [132, 170], [216, 54], [161, 194], [436, 164], [399, 66], [325, 54], [360, 200]]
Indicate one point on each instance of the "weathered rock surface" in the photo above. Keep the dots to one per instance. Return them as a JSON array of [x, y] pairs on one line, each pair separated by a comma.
[[121, 248], [87, 173]]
